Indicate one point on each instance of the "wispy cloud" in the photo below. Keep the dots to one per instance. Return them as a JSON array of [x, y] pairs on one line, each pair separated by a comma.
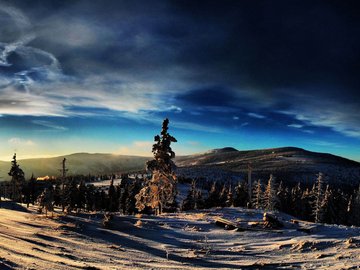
[[20, 142], [342, 118], [50, 125], [256, 115], [295, 125]]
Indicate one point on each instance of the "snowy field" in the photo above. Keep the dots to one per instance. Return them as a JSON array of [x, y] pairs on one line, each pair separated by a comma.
[[171, 241]]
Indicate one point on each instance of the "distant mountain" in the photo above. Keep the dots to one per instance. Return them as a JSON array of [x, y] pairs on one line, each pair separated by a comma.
[[80, 163], [286, 163]]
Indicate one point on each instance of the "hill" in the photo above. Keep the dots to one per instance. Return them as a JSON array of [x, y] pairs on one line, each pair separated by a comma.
[[80, 163], [287, 163]]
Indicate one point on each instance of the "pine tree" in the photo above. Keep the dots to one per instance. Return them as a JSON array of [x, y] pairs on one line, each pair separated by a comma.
[[190, 201], [284, 198], [257, 201], [212, 199], [305, 207], [199, 203], [90, 198], [70, 195], [319, 197], [46, 200], [223, 196], [326, 207], [270, 197], [354, 208], [131, 201], [102, 200], [17, 179], [81, 198], [241, 196], [337, 208], [30, 195], [160, 192], [230, 198], [113, 200], [296, 200], [57, 194]]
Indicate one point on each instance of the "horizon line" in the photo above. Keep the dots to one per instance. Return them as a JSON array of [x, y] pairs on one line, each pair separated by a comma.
[[27, 157]]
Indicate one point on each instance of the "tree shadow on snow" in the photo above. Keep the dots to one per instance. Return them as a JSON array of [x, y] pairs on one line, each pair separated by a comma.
[[123, 234], [10, 205]]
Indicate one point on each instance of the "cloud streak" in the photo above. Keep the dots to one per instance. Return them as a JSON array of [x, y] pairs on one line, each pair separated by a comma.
[[256, 115]]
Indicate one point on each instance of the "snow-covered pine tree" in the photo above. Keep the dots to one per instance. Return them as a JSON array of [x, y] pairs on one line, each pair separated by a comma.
[[46, 200], [160, 191], [230, 198], [257, 201], [325, 211], [223, 196], [319, 197], [270, 197]]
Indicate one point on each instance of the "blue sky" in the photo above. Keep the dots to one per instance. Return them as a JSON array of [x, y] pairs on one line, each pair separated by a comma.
[[100, 76]]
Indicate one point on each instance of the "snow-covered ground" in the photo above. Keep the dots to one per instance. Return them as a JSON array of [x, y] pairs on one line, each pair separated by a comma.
[[171, 241]]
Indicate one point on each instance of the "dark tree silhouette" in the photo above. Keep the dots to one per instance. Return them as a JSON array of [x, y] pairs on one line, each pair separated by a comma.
[[17, 180], [241, 194], [30, 191]]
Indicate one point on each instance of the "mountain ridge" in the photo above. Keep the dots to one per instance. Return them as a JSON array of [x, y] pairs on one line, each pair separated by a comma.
[[299, 163], [290, 163]]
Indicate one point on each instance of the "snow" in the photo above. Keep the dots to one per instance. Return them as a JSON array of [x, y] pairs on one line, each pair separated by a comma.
[[188, 240]]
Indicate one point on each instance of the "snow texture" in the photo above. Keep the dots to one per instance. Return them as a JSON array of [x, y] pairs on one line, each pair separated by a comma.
[[170, 241]]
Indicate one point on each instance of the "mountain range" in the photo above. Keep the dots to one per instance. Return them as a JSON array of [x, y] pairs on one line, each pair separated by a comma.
[[286, 163]]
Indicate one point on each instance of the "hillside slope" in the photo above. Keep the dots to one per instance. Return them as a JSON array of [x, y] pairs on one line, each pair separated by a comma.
[[290, 163], [80, 163]]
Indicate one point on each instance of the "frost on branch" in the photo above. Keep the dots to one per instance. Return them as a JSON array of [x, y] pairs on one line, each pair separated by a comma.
[[160, 191]]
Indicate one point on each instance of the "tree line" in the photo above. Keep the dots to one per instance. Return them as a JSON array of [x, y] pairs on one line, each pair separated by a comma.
[[320, 203]]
